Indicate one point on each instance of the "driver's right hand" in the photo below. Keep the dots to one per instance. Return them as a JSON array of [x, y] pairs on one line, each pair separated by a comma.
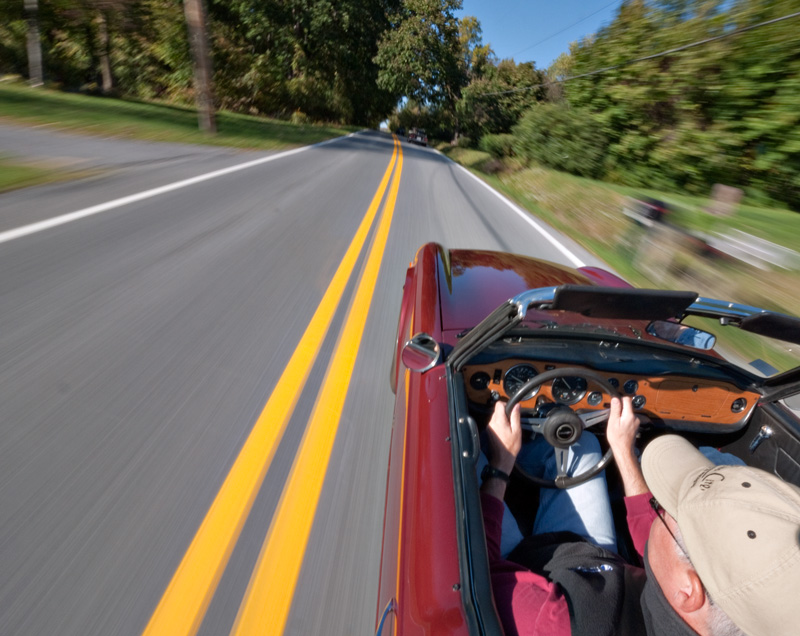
[[623, 425]]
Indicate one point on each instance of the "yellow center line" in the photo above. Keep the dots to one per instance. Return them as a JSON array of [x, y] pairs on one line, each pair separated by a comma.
[[185, 601], [268, 600]]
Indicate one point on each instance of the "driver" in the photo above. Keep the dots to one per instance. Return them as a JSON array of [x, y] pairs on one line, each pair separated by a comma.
[[723, 557]]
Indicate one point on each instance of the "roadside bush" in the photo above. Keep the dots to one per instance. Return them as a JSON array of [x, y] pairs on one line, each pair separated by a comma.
[[562, 138], [498, 146]]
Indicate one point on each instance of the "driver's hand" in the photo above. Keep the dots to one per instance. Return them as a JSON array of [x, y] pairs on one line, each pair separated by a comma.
[[505, 437], [622, 426]]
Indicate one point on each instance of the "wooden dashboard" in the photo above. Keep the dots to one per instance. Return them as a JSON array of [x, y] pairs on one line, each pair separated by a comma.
[[678, 401]]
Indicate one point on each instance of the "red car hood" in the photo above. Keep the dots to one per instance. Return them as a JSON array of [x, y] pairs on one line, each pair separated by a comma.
[[473, 283]]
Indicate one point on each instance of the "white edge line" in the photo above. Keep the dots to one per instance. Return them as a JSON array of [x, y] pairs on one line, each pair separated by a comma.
[[25, 230], [526, 216]]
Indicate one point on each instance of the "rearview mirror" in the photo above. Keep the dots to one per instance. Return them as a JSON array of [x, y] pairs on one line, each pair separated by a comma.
[[420, 353], [680, 334]]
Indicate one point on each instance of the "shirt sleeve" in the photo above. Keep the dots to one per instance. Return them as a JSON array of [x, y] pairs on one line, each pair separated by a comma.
[[527, 604], [640, 517]]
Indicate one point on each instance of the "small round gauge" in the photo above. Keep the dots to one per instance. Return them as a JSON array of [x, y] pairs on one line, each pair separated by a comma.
[[479, 381], [595, 398], [516, 377], [738, 405], [614, 382], [630, 387], [639, 401], [569, 390]]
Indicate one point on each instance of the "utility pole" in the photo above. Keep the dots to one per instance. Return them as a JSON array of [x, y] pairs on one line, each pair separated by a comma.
[[36, 75], [198, 39]]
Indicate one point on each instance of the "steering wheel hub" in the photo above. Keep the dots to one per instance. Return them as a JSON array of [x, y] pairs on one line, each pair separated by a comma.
[[562, 428]]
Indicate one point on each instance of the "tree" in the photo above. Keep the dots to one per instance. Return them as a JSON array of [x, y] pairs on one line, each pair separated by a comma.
[[198, 38], [36, 72], [420, 55], [495, 102]]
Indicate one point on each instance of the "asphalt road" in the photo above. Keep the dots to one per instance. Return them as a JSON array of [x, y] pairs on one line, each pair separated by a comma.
[[140, 344]]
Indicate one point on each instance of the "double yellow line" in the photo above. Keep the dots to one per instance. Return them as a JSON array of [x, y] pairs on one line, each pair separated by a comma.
[[267, 602]]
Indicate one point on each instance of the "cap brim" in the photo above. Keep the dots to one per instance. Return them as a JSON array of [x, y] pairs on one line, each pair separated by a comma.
[[667, 462]]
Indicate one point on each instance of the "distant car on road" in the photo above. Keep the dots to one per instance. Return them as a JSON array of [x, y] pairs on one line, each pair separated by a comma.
[[418, 136]]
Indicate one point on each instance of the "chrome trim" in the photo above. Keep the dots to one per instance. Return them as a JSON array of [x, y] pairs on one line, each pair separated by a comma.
[[765, 433], [526, 299], [715, 308], [391, 606], [417, 344]]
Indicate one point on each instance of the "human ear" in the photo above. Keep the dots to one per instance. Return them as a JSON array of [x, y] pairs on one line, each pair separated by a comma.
[[691, 594]]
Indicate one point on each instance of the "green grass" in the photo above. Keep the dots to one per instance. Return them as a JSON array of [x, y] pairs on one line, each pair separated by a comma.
[[105, 116], [14, 175]]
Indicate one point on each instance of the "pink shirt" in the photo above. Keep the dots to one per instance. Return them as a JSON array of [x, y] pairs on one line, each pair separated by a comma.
[[527, 603]]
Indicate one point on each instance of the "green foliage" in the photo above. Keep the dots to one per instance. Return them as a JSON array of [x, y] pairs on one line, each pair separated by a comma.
[[274, 58], [421, 57], [498, 146], [725, 112], [494, 102], [562, 138]]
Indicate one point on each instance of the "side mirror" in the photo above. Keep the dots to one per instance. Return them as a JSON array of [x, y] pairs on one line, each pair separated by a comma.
[[420, 353], [680, 334]]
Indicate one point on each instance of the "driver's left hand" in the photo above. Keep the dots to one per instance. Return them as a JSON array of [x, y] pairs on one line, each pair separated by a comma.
[[505, 437]]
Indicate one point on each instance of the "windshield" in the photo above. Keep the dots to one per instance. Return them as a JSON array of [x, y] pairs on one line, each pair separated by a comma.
[[756, 355]]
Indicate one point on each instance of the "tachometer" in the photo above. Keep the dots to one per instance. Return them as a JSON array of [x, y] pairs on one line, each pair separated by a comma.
[[569, 390], [516, 377]]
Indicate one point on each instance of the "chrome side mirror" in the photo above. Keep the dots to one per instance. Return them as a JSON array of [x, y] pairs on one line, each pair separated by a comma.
[[420, 353], [680, 334]]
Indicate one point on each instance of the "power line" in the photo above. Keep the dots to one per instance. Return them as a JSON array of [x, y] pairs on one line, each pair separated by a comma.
[[550, 37], [648, 57]]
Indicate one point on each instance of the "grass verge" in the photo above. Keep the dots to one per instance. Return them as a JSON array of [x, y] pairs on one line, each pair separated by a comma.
[[107, 116], [15, 175]]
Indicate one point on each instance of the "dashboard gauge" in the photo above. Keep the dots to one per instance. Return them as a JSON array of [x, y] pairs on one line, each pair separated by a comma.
[[479, 381], [614, 382], [630, 387], [516, 377], [595, 398], [569, 390], [639, 401]]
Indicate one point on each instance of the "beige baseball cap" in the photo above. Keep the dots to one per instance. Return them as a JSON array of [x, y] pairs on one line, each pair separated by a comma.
[[741, 526]]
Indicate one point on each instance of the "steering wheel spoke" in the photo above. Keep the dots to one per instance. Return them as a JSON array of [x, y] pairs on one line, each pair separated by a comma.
[[590, 418], [532, 424], [562, 461]]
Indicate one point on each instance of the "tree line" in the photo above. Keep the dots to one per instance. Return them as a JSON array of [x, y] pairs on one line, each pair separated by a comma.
[[722, 112]]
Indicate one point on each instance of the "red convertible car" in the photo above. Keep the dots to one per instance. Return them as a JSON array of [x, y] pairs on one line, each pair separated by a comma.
[[478, 326]]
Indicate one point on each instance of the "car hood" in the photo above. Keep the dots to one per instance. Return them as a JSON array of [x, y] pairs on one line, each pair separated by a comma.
[[474, 282]]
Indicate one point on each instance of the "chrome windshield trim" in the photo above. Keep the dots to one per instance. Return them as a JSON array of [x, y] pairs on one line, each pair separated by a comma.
[[526, 299], [714, 308]]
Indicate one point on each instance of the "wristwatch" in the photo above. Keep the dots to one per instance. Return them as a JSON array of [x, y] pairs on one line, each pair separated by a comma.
[[490, 471]]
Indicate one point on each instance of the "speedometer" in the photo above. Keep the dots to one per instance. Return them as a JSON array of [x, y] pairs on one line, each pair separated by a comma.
[[516, 377], [569, 389]]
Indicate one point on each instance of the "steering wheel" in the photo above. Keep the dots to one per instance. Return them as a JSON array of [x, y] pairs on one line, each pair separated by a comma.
[[562, 427]]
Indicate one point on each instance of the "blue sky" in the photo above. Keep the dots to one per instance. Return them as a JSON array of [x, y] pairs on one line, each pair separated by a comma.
[[522, 29]]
